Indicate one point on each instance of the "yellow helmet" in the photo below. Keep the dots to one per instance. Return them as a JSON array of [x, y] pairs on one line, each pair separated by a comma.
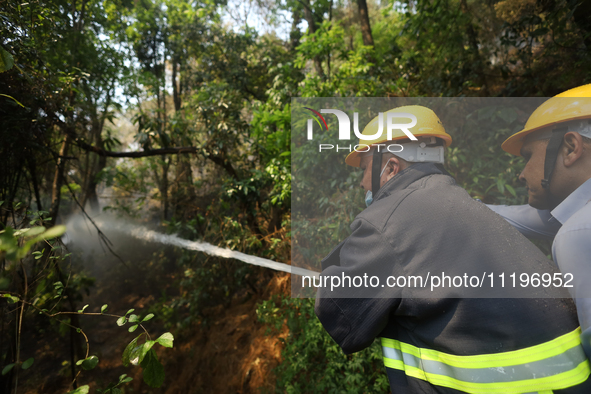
[[427, 125], [553, 111]]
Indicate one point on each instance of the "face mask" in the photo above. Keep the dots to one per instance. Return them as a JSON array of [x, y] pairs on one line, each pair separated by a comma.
[[369, 194], [368, 198]]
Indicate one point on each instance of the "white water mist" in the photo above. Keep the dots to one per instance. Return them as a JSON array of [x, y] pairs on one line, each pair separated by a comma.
[[77, 225]]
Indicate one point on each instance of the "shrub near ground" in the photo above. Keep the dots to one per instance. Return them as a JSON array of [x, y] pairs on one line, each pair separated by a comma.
[[313, 362]]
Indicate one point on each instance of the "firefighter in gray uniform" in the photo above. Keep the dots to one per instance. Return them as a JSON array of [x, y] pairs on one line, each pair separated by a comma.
[[449, 339]]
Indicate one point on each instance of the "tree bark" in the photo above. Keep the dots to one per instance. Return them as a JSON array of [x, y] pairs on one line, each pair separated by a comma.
[[364, 22], [295, 35], [164, 188], [310, 18], [476, 58], [183, 192], [58, 180], [582, 17], [135, 155], [176, 97]]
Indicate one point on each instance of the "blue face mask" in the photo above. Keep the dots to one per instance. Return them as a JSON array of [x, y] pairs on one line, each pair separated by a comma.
[[369, 194], [368, 198]]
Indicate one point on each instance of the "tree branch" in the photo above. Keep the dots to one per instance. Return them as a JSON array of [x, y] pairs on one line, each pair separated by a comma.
[[145, 153], [151, 152]]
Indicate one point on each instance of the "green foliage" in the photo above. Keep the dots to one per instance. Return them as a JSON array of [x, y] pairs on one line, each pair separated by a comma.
[[474, 158], [88, 363], [7, 368], [81, 390], [113, 387], [153, 371], [145, 356], [10, 239], [313, 361], [27, 363], [6, 60]]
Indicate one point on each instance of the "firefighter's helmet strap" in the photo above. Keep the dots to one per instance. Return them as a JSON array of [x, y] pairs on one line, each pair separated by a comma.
[[552, 154], [375, 171]]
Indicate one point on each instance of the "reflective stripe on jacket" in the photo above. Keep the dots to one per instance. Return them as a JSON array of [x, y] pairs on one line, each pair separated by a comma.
[[552, 365]]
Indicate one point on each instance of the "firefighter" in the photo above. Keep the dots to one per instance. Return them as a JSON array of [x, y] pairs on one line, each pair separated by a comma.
[[556, 143], [419, 221]]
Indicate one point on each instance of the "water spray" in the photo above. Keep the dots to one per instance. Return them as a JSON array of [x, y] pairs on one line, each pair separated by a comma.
[[145, 234]]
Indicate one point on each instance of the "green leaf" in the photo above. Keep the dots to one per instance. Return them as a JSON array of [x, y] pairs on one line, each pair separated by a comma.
[[133, 328], [6, 60], [104, 308], [148, 317], [11, 299], [30, 232], [129, 311], [500, 186], [165, 339], [121, 321], [80, 390], [127, 353], [134, 353], [153, 371], [83, 309], [28, 363], [7, 369], [47, 235], [124, 378], [145, 349], [133, 318], [54, 232], [511, 190], [88, 363]]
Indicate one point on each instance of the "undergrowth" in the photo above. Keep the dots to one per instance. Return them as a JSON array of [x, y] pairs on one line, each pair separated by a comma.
[[313, 362]]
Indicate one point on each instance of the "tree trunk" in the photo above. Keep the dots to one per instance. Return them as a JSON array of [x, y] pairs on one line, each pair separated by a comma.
[[98, 123], [58, 180], [364, 22], [183, 192], [582, 17], [310, 18], [176, 96], [295, 35], [163, 186], [477, 63], [33, 172]]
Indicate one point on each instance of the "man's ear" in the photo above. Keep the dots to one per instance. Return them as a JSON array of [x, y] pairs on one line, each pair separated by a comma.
[[572, 148], [393, 167]]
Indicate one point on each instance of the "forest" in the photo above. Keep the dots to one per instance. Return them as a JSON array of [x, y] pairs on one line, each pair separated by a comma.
[[133, 131]]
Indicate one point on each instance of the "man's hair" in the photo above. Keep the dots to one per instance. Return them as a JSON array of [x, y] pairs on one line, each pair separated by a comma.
[[586, 140], [388, 155]]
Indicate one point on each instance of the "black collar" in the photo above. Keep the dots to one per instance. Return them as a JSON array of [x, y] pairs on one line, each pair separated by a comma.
[[408, 176]]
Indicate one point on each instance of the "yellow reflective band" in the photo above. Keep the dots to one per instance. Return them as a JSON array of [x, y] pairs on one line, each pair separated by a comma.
[[522, 356], [553, 365]]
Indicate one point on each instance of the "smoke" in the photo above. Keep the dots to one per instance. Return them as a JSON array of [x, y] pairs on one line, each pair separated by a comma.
[[83, 234]]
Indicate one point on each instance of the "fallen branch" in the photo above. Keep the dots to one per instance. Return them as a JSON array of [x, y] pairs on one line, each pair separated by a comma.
[[145, 153]]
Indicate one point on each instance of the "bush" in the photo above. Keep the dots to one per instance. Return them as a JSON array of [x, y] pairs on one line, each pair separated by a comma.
[[313, 360]]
